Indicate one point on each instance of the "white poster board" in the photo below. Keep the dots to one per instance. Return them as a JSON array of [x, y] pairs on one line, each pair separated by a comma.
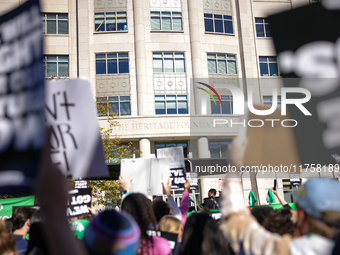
[[147, 174], [75, 140]]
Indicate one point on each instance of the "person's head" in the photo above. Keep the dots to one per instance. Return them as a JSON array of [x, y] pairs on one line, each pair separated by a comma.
[[261, 212], [212, 193], [160, 208], [9, 225], [279, 221], [7, 242], [112, 233], [21, 218], [170, 224], [202, 236], [318, 204]]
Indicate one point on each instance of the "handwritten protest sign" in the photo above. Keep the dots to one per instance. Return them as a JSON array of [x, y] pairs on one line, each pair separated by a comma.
[[192, 177], [147, 174], [76, 144], [79, 201], [177, 165], [22, 121]]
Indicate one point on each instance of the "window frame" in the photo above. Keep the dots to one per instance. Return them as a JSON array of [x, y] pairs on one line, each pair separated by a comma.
[[173, 144], [166, 57], [104, 22], [227, 62], [171, 100], [161, 17], [268, 100], [46, 61], [223, 19], [107, 63], [225, 144], [45, 19], [223, 99], [265, 25], [268, 62], [110, 100]]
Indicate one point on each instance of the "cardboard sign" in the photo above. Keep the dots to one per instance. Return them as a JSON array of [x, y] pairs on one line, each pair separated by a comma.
[[78, 202], [221, 184], [271, 147], [147, 174], [22, 124], [307, 49], [294, 179], [80, 184], [193, 179], [177, 164], [75, 141], [6, 205]]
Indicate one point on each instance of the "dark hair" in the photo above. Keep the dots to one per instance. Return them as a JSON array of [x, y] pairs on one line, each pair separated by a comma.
[[279, 221], [261, 212], [160, 208], [7, 242], [21, 215], [9, 225], [213, 191], [139, 207], [202, 236]]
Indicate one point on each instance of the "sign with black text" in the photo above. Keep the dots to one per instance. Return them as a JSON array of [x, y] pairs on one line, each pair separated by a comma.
[[193, 179], [307, 51], [75, 140], [80, 184], [294, 179], [80, 199], [177, 164], [22, 120]]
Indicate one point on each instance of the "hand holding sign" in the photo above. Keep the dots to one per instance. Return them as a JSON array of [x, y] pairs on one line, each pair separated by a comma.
[[167, 187]]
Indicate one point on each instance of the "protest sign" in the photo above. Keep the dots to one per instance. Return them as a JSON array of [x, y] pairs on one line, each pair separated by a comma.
[[307, 50], [78, 202], [177, 164], [75, 140], [22, 121], [172, 239], [193, 179], [80, 184], [147, 174], [6, 205], [295, 180]]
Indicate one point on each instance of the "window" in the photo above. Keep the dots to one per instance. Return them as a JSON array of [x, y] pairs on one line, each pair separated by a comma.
[[159, 145], [225, 108], [262, 28], [167, 21], [221, 63], [112, 63], [113, 105], [268, 66], [268, 100], [218, 149], [217, 23], [287, 191], [171, 104], [110, 21], [54, 23], [168, 62], [56, 66]]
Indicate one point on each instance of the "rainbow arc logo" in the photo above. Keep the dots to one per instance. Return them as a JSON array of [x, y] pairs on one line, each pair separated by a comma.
[[209, 93]]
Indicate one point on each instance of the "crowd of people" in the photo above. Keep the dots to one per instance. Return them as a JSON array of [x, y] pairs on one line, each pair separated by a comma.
[[142, 226]]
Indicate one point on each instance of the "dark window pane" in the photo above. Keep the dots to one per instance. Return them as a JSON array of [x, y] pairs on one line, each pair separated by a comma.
[[226, 107], [209, 27], [206, 15], [215, 109], [155, 23], [123, 55], [125, 108], [43, 26], [171, 107], [228, 26], [123, 66], [218, 26], [259, 30], [113, 99], [160, 107], [99, 25], [110, 24], [273, 69], [182, 107], [100, 56], [114, 108], [121, 24], [112, 55], [217, 16], [264, 69], [272, 59], [227, 17], [268, 34], [100, 67], [112, 66], [258, 21], [51, 27], [51, 69], [62, 16], [63, 69], [262, 59], [51, 16], [214, 152], [62, 27]]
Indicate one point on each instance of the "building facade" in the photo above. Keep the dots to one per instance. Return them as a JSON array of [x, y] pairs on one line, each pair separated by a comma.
[[144, 59]]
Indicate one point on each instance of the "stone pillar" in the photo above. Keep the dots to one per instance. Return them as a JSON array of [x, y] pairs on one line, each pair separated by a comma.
[[145, 147], [140, 51], [203, 147]]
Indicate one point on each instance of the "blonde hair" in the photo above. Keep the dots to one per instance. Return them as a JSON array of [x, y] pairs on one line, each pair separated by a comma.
[[7, 242], [169, 224], [321, 228]]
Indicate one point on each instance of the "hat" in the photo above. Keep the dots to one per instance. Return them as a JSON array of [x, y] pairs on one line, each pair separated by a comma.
[[78, 227], [319, 195], [112, 232]]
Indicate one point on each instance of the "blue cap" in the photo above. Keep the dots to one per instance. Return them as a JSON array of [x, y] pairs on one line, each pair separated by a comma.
[[319, 195]]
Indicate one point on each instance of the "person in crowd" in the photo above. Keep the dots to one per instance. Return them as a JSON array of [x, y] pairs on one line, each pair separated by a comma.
[[7, 241], [171, 224], [160, 208], [9, 225], [202, 236], [112, 233], [139, 207], [211, 203], [318, 220], [260, 213], [21, 227], [280, 221]]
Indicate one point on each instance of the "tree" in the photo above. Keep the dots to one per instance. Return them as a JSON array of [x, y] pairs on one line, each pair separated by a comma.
[[106, 192]]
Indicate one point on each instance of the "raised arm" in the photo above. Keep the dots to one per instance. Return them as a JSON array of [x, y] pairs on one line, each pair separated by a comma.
[[277, 194], [185, 202], [174, 208]]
